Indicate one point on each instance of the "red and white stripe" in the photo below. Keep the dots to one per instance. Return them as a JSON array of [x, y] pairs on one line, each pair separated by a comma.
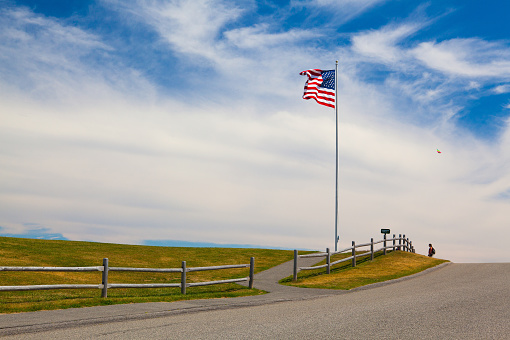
[[312, 90]]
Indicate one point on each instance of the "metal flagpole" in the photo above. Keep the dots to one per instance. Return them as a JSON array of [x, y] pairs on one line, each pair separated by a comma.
[[336, 153]]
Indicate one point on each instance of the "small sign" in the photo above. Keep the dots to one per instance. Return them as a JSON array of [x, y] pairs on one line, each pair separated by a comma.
[[385, 231]]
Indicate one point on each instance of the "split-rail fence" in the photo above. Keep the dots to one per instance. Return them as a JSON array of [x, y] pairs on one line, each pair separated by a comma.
[[403, 243], [105, 268]]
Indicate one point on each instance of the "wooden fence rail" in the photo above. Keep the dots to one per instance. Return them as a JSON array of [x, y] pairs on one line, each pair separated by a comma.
[[105, 269], [403, 244]]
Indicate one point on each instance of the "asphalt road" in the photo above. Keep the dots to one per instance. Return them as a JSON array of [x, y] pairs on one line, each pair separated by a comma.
[[458, 301]]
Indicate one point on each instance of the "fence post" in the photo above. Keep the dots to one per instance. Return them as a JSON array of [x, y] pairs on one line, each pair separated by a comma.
[[384, 251], [328, 261], [295, 265], [353, 254], [372, 249], [404, 242], [407, 244], [183, 278], [393, 242], [411, 246], [104, 280], [399, 240], [252, 268]]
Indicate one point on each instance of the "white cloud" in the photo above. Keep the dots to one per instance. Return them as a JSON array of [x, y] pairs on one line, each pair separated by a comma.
[[381, 44], [466, 57], [259, 36], [345, 10], [49, 59], [191, 27], [43, 40], [100, 170], [204, 34], [430, 74], [17, 20], [473, 85], [343, 3], [502, 89]]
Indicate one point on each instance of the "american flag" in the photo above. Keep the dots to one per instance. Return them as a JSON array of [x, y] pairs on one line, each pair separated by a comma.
[[320, 86]]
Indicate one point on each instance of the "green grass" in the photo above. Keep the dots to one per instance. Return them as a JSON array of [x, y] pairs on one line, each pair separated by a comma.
[[29, 252], [343, 276]]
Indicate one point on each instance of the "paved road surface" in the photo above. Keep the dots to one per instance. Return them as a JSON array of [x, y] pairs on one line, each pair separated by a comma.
[[457, 301]]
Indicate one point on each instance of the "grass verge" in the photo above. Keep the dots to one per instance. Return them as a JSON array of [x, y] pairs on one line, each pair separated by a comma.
[[51, 253], [343, 276]]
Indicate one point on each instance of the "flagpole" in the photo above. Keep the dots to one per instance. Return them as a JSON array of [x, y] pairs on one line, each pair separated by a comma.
[[336, 153]]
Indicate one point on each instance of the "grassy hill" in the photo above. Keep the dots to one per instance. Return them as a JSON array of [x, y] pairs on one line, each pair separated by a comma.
[[343, 276], [30, 252]]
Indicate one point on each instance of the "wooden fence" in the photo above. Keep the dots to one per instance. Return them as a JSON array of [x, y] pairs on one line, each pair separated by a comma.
[[104, 286], [403, 244]]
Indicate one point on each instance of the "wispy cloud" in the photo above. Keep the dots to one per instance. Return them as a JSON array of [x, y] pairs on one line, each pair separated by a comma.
[[502, 89], [382, 45], [43, 42], [260, 36], [473, 57], [51, 59], [344, 10], [227, 51], [442, 78], [191, 27]]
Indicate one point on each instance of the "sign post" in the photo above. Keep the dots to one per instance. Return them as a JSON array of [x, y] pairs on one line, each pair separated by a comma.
[[385, 232]]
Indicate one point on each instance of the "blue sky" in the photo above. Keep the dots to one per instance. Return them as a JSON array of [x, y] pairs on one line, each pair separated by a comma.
[[138, 121]]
